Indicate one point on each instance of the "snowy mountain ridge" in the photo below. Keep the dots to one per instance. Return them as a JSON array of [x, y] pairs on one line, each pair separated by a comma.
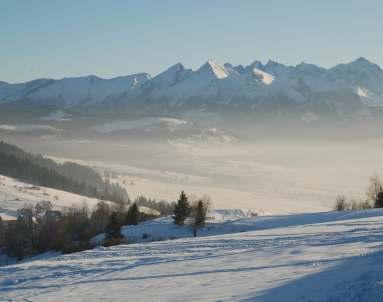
[[355, 84]]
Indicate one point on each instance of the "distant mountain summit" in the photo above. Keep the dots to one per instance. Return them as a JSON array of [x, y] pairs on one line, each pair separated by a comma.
[[345, 88]]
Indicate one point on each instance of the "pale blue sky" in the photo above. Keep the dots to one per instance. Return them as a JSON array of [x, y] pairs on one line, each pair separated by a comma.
[[52, 38]]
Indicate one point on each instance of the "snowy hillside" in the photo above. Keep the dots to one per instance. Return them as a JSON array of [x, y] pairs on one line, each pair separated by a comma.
[[15, 194], [341, 88], [219, 221], [307, 257]]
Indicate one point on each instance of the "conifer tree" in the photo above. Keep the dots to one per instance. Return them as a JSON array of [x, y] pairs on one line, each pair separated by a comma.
[[133, 215], [113, 229], [200, 210], [379, 200], [182, 209], [200, 215]]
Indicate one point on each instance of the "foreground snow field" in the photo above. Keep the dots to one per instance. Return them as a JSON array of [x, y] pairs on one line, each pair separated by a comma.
[[307, 257]]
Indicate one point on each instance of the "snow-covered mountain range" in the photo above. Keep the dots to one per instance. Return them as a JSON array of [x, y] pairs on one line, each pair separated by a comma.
[[354, 85]]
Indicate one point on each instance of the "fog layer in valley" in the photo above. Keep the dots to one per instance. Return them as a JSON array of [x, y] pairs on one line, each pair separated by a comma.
[[270, 173]]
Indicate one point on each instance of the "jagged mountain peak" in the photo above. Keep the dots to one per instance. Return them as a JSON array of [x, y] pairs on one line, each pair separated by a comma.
[[307, 69], [363, 61], [215, 69], [257, 64], [238, 68], [170, 76], [171, 70], [274, 68], [176, 67], [359, 63], [212, 83]]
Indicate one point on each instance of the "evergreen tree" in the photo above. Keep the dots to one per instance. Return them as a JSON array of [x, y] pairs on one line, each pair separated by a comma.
[[113, 229], [100, 217], [379, 200], [181, 210], [200, 215], [2, 233], [133, 215]]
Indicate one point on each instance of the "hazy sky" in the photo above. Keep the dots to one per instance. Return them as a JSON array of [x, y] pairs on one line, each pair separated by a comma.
[[49, 38]]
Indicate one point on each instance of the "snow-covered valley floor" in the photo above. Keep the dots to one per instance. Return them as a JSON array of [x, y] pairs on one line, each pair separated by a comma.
[[306, 257]]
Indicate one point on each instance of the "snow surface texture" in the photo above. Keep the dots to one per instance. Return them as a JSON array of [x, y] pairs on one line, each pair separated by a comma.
[[220, 221], [315, 257], [256, 83]]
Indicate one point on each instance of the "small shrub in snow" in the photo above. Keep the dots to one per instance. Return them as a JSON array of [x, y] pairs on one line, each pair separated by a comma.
[[360, 205], [341, 203]]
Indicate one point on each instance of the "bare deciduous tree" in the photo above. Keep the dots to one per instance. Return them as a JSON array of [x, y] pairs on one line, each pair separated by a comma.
[[341, 203], [374, 188]]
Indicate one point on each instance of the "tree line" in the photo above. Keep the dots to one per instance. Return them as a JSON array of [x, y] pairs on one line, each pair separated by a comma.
[[374, 198], [40, 228], [77, 172], [39, 171], [164, 207]]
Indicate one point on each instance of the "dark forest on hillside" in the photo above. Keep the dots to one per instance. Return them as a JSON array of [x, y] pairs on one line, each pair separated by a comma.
[[72, 177]]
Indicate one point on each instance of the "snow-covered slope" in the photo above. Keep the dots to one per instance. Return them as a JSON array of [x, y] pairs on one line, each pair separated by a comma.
[[342, 87], [15, 194], [313, 257]]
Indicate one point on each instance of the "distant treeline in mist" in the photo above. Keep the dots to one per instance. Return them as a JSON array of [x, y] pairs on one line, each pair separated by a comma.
[[71, 177]]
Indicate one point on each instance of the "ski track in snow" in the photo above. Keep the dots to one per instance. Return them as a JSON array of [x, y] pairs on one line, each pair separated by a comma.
[[308, 257]]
